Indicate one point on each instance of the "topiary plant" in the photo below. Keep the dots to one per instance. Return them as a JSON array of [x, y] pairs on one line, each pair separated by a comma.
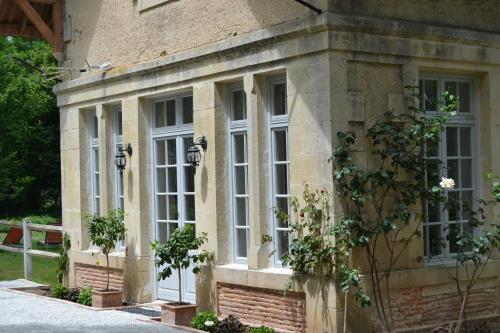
[[231, 324], [85, 297], [179, 252], [206, 321], [63, 259], [105, 232]]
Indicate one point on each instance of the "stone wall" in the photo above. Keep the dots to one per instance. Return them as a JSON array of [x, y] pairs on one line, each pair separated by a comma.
[[256, 307], [95, 277]]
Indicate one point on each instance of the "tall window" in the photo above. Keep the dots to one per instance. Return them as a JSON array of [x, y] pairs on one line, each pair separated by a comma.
[[117, 114], [239, 171], [456, 153], [94, 157], [278, 117]]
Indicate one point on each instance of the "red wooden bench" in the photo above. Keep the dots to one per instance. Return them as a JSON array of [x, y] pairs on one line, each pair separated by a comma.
[[13, 237]]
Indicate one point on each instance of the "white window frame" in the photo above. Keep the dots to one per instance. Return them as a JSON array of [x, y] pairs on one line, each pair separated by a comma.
[[277, 123], [94, 163], [117, 115], [238, 127], [460, 120]]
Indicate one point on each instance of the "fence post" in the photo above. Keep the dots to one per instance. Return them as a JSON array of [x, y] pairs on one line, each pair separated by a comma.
[[27, 246]]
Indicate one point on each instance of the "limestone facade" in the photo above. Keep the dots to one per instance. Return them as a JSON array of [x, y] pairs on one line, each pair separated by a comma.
[[342, 69]]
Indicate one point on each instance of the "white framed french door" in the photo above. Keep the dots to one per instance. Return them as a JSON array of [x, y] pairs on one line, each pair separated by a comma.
[[173, 190]]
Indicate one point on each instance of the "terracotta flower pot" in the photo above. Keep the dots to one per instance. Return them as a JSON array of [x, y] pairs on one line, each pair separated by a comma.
[[107, 299], [177, 314]]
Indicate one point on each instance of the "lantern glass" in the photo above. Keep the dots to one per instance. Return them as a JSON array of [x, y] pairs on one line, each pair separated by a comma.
[[120, 159], [193, 155]]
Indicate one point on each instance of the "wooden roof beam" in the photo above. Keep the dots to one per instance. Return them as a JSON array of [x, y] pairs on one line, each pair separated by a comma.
[[37, 21]]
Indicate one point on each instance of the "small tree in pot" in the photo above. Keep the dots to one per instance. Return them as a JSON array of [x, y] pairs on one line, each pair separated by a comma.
[[179, 253], [105, 232]]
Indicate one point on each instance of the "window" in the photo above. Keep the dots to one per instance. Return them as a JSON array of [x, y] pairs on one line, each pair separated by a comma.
[[94, 160], [456, 154], [239, 171], [117, 113], [280, 164], [173, 112]]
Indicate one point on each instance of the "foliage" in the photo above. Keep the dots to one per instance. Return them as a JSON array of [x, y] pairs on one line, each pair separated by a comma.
[[105, 232], [262, 329], [73, 295], [231, 324], [63, 258], [85, 297], [60, 291], [206, 321], [320, 247], [29, 123], [379, 197], [179, 252]]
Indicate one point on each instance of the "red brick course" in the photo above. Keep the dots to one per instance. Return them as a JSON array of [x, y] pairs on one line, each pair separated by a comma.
[[95, 277], [256, 306]]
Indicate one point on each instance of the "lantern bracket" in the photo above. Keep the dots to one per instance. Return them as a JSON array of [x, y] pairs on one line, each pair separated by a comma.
[[202, 142]]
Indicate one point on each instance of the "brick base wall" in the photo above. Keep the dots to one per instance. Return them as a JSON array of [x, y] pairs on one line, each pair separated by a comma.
[[95, 277], [255, 306], [412, 309]]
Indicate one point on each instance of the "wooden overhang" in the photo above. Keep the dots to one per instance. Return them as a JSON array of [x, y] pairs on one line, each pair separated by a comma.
[[35, 19]]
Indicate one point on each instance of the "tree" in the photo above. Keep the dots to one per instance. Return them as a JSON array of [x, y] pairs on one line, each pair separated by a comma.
[[29, 127]]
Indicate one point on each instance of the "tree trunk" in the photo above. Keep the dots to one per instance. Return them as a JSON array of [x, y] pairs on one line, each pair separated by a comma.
[[107, 265], [180, 285]]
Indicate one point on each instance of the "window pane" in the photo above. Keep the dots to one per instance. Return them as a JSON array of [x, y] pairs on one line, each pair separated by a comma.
[[452, 141], [187, 110], [281, 179], [171, 113], [241, 240], [432, 149], [160, 114], [239, 148], [279, 99], [453, 206], [96, 185], [433, 174], [171, 152], [467, 205], [189, 179], [451, 88], [97, 206], [95, 128], [435, 240], [189, 210], [240, 179], [160, 152], [161, 180], [238, 106], [453, 171], [172, 179], [465, 141], [173, 212], [171, 228], [433, 212], [119, 126], [282, 208], [280, 148], [431, 95], [188, 142], [162, 233], [162, 207], [241, 211], [453, 233], [464, 97], [282, 243], [466, 171], [95, 159]]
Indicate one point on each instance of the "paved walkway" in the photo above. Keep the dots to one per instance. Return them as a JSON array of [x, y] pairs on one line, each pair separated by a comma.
[[22, 313]]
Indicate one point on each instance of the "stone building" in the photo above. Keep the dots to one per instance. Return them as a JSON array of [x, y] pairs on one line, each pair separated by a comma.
[[268, 84]]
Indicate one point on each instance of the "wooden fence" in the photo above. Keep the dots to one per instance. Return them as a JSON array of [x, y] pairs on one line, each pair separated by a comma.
[[27, 250]]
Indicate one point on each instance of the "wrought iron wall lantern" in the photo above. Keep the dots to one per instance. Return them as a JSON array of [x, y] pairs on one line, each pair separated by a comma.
[[120, 158], [193, 155]]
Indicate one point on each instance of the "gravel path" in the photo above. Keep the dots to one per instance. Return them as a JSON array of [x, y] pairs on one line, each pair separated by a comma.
[[22, 313]]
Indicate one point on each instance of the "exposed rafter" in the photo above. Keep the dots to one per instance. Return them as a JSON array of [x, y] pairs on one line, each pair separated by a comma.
[[308, 5]]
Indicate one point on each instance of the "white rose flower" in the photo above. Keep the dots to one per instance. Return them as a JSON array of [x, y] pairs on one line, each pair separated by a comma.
[[209, 323], [447, 183]]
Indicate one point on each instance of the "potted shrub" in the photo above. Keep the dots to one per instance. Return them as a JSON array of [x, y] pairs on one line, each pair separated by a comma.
[[178, 253], [105, 232]]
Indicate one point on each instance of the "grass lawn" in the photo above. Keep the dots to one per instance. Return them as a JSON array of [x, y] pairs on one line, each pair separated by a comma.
[[44, 269]]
